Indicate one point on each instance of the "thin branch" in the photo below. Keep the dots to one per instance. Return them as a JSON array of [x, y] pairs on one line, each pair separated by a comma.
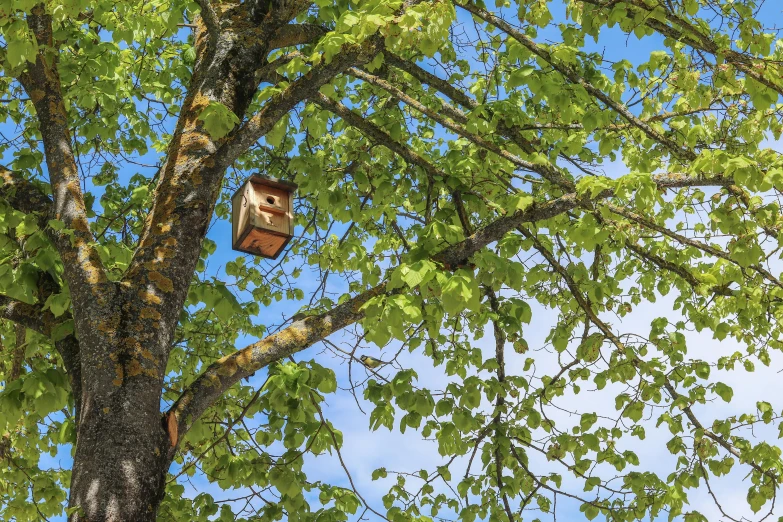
[[709, 249], [574, 77], [340, 457]]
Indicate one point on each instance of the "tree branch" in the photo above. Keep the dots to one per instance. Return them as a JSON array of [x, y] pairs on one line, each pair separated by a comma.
[[302, 88], [221, 375], [430, 79], [376, 134], [685, 405], [224, 373], [547, 171], [30, 316], [500, 401], [25, 197], [573, 288], [697, 40], [83, 267], [674, 268], [296, 34], [708, 249], [513, 132], [575, 78]]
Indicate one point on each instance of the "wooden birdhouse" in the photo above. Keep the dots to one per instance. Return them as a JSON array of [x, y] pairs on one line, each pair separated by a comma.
[[263, 216]]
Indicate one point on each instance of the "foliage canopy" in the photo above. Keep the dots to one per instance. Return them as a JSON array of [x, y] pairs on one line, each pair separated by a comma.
[[468, 173]]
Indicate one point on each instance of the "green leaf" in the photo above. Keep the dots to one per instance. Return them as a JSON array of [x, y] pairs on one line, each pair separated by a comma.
[[461, 291], [587, 421], [723, 391], [589, 510], [218, 119], [275, 136], [58, 303]]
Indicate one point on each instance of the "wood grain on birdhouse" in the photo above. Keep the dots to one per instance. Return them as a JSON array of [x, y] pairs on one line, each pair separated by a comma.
[[263, 216]]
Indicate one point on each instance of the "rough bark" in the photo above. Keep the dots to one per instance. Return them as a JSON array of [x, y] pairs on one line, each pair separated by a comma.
[[121, 455]]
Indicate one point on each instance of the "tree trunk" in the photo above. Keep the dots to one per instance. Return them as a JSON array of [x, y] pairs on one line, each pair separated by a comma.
[[123, 451], [122, 455]]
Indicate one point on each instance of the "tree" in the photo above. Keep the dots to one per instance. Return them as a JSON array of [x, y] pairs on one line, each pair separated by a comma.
[[450, 160]]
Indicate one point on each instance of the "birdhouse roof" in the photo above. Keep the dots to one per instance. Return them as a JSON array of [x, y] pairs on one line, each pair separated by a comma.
[[258, 179]]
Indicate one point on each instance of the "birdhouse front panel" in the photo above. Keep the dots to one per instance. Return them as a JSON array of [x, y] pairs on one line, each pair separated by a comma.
[[273, 211], [263, 216]]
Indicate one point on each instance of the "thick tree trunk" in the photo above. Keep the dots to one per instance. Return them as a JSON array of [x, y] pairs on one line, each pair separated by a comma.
[[123, 451], [121, 457]]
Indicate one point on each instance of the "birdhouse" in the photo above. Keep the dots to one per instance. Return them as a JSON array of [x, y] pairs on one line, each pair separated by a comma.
[[262, 216]]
